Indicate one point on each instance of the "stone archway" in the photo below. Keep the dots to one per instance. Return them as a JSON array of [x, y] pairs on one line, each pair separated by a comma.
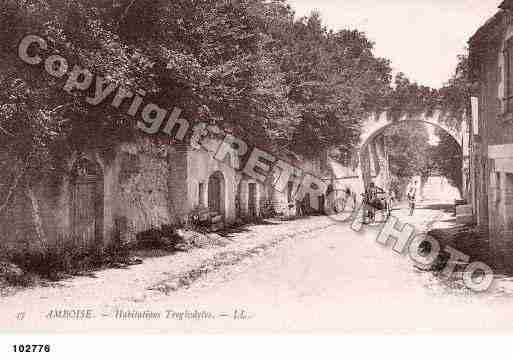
[[216, 193], [86, 203], [376, 125], [372, 155]]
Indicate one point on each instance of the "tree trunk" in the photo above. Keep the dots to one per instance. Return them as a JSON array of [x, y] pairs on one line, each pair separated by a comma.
[[36, 217], [11, 191]]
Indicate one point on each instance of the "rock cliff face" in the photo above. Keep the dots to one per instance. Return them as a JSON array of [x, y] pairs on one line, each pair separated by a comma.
[[142, 196], [21, 223], [17, 226], [133, 197]]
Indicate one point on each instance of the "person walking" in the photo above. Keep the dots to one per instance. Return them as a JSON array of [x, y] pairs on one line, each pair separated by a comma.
[[390, 199], [412, 196]]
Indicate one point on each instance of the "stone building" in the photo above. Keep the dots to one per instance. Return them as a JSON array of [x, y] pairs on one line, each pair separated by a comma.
[[104, 196], [491, 59], [286, 203], [135, 187]]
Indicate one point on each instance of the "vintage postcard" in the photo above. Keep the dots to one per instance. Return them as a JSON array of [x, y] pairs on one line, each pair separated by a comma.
[[256, 167]]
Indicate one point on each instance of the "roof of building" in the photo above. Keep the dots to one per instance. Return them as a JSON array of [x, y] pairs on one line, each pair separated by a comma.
[[488, 26], [506, 5]]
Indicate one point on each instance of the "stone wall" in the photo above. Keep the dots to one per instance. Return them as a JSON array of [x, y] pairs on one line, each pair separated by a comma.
[[37, 214], [141, 186], [178, 200], [141, 189], [133, 199]]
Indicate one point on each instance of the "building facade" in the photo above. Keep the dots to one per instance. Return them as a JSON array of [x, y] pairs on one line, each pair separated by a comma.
[[101, 197], [491, 61]]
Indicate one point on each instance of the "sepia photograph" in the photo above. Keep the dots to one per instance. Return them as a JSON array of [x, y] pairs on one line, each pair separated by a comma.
[[255, 167]]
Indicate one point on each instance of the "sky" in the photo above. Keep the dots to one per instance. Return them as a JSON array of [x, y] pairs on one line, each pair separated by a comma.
[[422, 38]]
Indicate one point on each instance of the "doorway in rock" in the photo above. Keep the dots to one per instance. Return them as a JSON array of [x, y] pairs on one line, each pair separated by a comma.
[[216, 193], [86, 205], [252, 200], [322, 204]]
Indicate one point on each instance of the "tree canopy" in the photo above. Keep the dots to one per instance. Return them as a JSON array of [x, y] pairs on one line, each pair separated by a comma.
[[281, 82], [409, 149], [452, 100], [248, 65], [411, 154]]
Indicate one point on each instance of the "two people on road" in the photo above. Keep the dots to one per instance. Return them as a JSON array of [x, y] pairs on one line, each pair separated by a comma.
[[377, 199], [373, 201]]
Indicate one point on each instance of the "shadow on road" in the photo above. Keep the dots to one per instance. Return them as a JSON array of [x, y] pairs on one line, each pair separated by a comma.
[[230, 232], [444, 207]]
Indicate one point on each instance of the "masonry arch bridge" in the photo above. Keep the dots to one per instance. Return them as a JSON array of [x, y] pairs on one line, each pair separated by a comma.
[[372, 155]]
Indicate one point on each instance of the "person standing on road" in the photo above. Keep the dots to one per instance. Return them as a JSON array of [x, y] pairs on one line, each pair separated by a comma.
[[390, 198], [412, 195], [368, 199]]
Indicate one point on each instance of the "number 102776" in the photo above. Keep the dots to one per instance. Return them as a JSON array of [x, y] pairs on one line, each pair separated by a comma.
[[31, 348]]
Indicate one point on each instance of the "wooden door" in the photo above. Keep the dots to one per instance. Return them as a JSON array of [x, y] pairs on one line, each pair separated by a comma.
[[86, 204], [322, 204], [252, 199], [214, 194]]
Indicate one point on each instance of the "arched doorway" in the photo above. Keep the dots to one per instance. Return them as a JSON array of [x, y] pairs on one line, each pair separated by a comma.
[[86, 205], [216, 193], [388, 165]]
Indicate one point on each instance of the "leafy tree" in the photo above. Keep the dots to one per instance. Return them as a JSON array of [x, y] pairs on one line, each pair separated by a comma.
[[410, 99], [452, 100], [334, 81], [205, 56], [454, 97], [447, 159], [409, 153], [246, 65]]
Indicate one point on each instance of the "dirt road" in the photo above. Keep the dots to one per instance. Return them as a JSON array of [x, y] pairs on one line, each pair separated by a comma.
[[327, 279]]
